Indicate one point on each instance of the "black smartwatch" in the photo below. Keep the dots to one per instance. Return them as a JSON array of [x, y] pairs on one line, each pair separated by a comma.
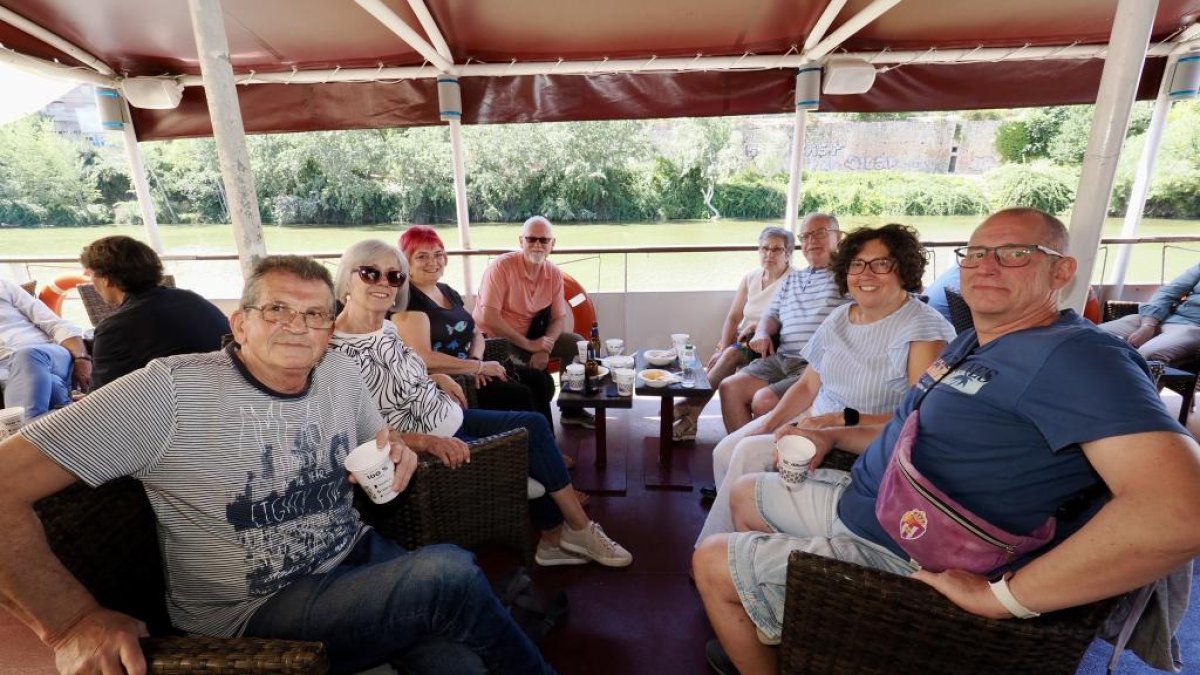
[[850, 415]]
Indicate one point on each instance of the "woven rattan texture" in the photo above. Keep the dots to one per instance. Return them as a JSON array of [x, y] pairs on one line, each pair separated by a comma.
[[221, 656], [960, 313], [847, 619]]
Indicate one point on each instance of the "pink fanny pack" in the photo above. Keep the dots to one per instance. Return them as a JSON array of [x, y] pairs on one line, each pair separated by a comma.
[[936, 531]]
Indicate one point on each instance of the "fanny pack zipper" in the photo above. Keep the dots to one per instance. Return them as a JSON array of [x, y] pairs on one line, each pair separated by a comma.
[[954, 515]]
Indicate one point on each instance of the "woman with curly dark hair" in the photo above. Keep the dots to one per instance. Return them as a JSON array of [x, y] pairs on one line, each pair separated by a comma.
[[861, 360]]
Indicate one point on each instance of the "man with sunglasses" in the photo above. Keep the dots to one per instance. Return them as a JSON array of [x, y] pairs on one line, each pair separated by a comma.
[[241, 452], [1033, 414], [521, 299]]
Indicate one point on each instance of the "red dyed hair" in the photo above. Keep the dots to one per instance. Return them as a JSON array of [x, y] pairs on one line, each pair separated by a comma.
[[418, 236]]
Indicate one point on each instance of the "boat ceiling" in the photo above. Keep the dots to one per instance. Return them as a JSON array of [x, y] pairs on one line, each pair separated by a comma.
[[154, 38]]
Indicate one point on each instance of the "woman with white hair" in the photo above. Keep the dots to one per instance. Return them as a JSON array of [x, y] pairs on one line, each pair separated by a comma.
[[428, 411], [775, 247]]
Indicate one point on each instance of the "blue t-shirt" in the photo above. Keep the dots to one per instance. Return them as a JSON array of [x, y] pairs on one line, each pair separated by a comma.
[[1000, 434]]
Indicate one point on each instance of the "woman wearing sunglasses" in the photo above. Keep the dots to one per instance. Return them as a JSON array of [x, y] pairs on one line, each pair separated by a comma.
[[372, 280], [444, 334], [861, 360]]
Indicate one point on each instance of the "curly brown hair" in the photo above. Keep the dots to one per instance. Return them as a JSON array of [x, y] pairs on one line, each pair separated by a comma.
[[903, 244]]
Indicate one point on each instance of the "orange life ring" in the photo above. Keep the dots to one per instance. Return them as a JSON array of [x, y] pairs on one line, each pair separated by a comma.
[[52, 294], [583, 312]]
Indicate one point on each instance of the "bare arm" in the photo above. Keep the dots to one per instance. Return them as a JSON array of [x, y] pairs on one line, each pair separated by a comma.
[[35, 586], [1145, 531], [795, 400], [734, 317]]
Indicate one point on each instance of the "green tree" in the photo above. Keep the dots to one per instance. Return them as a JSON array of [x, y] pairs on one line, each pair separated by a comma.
[[1012, 141]]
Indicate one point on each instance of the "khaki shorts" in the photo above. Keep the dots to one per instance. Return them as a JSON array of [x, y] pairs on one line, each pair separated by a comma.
[[777, 370]]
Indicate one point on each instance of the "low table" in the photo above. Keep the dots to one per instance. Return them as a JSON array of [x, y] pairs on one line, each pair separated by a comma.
[[602, 474], [1183, 383], [662, 469]]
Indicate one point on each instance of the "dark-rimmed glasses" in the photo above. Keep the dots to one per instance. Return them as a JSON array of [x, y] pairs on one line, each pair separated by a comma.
[[371, 275], [877, 265], [544, 241], [771, 250], [285, 315], [1007, 255]]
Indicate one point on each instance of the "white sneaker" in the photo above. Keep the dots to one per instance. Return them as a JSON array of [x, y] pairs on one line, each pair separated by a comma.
[[548, 555], [593, 543]]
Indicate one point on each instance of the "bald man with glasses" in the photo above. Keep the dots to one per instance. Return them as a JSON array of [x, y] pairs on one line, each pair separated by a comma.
[[521, 299]]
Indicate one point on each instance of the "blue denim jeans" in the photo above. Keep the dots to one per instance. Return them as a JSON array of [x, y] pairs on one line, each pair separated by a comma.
[[545, 459], [39, 378], [424, 611]]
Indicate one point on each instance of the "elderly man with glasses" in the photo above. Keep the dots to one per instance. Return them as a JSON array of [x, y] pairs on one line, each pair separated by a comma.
[[1034, 417], [241, 455], [803, 300], [521, 299]]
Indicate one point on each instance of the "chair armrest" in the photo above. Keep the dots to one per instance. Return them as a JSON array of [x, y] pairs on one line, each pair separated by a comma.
[[497, 349], [842, 460], [205, 655], [479, 503], [1115, 309], [467, 382], [846, 618]]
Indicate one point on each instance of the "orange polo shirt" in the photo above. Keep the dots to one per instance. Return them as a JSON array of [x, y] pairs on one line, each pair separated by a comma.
[[506, 286]]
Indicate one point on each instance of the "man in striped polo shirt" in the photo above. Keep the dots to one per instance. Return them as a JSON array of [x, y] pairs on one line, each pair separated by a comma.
[[803, 300], [241, 454]]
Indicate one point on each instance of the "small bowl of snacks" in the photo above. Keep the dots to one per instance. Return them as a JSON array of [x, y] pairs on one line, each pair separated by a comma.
[[660, 357], [653, 377]]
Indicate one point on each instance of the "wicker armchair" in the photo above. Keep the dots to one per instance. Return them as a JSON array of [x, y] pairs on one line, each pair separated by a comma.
[[1182, 382], [106, 537], [960, 313], [494, 349], [847, 619]]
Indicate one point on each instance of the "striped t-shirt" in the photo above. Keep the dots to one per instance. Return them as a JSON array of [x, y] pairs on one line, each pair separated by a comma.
[[865, 366], [802, 302], [247, 485]]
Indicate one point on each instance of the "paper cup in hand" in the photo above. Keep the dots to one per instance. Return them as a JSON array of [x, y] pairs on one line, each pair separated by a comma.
[[372, 466], [795, 455]]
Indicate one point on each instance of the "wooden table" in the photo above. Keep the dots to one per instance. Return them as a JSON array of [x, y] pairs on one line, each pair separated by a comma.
[[602, 473], [662, 469]]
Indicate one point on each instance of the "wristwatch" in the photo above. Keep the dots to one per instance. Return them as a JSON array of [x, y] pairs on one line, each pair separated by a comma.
[[850, 415]]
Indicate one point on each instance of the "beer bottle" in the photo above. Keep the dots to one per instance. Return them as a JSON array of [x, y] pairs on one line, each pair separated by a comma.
[[591, 370], [594, 340]]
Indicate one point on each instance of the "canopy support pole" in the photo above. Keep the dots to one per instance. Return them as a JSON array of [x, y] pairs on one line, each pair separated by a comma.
[[852, 25], [141, 186], [795, 167], [1134, 210], [208, 24], [460, 202], [1118, 87]]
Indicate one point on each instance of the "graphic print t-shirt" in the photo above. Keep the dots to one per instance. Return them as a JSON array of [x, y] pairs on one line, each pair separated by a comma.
[[248, 486], [451, 330]]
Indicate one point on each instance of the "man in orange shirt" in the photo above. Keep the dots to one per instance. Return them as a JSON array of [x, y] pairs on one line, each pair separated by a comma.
[[521, 299]]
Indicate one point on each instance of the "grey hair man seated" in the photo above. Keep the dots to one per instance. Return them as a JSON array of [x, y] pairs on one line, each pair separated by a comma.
[[240, 452]]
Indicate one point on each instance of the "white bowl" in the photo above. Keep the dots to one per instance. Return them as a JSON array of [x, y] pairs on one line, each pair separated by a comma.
[[612, 362], [653, 377], [659, 357], [601, 372]]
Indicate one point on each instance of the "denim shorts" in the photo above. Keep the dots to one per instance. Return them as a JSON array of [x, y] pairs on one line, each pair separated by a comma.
[[805, 519], [777, 370]]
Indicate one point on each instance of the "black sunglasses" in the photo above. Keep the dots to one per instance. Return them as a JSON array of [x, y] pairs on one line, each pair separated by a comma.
[[371, 275], [544, 241]]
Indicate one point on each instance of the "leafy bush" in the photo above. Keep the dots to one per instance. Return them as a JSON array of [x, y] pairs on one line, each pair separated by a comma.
[[1039, 186], [752, 196], [1012, 141]]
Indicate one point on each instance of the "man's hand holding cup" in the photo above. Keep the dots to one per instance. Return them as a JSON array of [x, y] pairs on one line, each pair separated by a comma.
[[383, 467]]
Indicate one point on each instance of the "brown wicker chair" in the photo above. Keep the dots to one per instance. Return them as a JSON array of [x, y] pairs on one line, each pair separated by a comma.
[[97, 308], [106, 537], [848, 619], [494, 349], [960, 313]]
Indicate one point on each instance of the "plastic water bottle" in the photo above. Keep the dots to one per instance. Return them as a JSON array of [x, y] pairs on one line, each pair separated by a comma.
[[688, 361]]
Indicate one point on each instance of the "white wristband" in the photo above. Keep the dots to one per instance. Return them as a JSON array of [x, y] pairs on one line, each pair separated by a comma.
[[479, 370], [1004, 595]]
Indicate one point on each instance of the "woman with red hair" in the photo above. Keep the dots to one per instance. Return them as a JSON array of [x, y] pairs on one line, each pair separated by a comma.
[[443, 333]]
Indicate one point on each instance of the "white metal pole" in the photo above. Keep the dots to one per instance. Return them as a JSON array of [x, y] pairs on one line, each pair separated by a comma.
[[70, 49], [141, 186], [384, 14], [460, 201], [208, 24], [826, 19], [1118, 86], [794, 170], [850, 27], [1141, 181]]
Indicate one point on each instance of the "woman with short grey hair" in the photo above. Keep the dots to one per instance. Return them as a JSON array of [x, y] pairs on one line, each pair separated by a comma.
[[775, 247]]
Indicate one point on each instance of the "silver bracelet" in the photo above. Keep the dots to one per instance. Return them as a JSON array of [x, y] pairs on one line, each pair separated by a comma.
[[1002, 592]]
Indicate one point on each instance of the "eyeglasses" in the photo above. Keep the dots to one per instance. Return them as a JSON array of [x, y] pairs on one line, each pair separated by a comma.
[[771, 250], [286, 315], [815, 234], [439, 256], [1007, 255], [877, 265], [371, 275], [544, 241]]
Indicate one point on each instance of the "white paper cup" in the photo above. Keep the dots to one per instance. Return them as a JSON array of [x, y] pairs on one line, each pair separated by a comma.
[[573, 377], [795, 455], [11, 420], [582, 346], [624, 377], [373, 468], [615, 346], [679, 341]]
